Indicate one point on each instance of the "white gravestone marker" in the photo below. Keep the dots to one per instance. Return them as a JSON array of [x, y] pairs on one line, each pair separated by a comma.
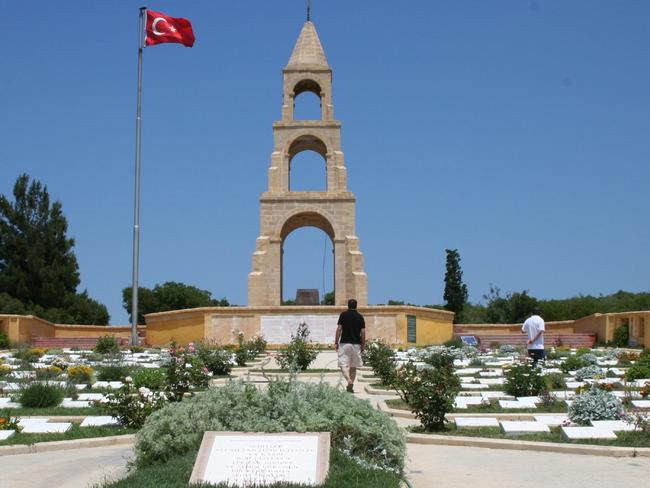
[[242, 459]]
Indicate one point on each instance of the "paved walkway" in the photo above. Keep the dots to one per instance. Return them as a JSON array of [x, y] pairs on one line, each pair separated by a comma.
[[74, 468], [428, 466]]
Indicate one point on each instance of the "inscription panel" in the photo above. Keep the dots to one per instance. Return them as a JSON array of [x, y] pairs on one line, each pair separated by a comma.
[[277, 329], [242, 459]]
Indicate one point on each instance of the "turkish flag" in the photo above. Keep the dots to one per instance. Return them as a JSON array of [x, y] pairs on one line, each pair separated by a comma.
[[161, 28]]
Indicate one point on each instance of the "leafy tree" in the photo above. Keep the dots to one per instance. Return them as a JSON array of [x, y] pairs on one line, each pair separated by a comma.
[[39, 273], [328, 299], [455, 290], [513, 308], [169, 296]]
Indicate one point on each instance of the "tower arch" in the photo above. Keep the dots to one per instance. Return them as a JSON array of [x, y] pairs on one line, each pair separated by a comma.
[[282, 210]]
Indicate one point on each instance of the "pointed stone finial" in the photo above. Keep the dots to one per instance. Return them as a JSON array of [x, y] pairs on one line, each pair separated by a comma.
[[308, 49]]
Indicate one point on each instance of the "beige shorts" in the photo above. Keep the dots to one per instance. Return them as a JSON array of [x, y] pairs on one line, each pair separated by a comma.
[[350, 356]]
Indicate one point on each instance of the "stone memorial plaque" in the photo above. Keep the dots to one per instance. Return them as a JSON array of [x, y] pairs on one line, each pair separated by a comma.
[[307, 296], [242, 459], [277, 329]]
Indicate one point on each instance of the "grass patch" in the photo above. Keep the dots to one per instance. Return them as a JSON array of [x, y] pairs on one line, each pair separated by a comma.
[[75, 432], [176, 473], [624, 439]]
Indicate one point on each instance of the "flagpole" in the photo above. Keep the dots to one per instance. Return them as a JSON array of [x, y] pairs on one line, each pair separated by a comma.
[[136, 205]]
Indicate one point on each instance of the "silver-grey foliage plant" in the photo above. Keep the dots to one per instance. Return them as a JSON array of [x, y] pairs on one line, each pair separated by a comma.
[[588, 372], [595, 404], [362, 432]]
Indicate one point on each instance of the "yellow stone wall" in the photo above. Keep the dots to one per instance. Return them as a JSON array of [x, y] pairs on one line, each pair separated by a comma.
[[181, 326]]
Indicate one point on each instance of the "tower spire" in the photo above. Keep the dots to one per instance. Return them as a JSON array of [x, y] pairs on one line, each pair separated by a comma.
[[308, 10]]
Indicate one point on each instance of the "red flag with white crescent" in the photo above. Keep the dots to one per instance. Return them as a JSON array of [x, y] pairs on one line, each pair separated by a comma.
[[162, 28]]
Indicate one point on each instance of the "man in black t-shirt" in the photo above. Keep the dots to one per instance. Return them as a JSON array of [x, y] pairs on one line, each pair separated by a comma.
[[349, 342]]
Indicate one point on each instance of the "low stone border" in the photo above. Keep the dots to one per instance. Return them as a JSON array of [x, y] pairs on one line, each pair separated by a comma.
[[69, 444], [593, 450], [370, 390]]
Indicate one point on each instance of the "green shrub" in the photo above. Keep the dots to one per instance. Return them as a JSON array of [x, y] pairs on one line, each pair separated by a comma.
[[217, 360], [573, 363], [107, 345], [583, 350], [114, 372], [595, 404], [80, 373], [255, 346], [299, 354], [132, 406], [555, 381], [30, 354], [136, 349], [154, 379], [40, 395], [621, 336], [588, 372], [637, 371], [381, 358], [4, 340], [48, 373], [454, 342], [355, 425], [430, 391], [185, 372], [524, 380]]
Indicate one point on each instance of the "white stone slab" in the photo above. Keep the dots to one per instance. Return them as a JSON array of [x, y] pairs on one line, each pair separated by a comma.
[[523, 427], [464, 401], [474, 386], [641, 382], [81, 387], [496, 395], [641, 403], [515, 404], [6, 434], [47, 428], [467, 371], [99, 421], [613, 425], [574, 384], [575, 433], [563, 395], [551, 420], [26, 422], [91, 396], [491, 374], [491, 381], [113, 385], [4, 401], [462, 422], [70, 403], [532, 400]]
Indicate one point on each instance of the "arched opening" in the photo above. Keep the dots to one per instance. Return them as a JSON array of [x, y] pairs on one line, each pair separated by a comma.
[[307, 104], [307, 256], [307, 165]]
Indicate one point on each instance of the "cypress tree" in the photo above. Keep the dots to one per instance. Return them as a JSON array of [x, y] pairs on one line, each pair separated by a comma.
[[455, 290]]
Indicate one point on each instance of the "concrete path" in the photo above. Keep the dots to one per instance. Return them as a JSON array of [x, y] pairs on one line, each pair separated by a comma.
[[446, 467], [74, 468]]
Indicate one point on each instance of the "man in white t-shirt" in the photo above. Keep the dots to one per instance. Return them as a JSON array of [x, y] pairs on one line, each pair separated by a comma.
[[534, 328]]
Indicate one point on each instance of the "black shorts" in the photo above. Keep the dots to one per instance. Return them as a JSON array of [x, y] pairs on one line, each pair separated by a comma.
[[536, 354]]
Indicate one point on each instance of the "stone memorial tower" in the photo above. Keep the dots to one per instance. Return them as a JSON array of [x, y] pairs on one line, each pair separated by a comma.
[[281, 210]]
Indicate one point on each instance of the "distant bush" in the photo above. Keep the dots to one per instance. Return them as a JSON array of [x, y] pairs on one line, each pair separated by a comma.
[[299, 354], [595, 404], [5, 370], [80, 373], [430, 391], [363, 433], [255, 346], [136, 349], [621, 336], [573, 363], [30, 354], [131, 406], [524, 380], [454, 342], [381, 358], [217, 360], [4, 340], [555, 381], [40, 395], [588, 372], [638, 371], [107, 345], [113, 372], [48, 373], [154, 379]]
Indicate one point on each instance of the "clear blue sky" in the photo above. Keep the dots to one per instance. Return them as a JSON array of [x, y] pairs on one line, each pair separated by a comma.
[[516, 131]]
